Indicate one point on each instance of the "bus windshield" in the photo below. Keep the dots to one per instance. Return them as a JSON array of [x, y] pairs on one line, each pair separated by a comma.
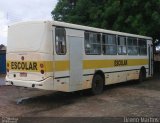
[[25, 37]]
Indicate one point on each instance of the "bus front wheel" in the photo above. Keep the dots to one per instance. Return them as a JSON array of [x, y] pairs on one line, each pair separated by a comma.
[[142, 75], [97, 84]]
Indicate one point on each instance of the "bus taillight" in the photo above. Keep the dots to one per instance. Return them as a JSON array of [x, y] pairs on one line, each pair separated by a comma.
[[42, 71]]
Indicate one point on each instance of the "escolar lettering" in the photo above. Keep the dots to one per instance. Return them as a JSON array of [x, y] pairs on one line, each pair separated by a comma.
[[120, 62], [24, 65]]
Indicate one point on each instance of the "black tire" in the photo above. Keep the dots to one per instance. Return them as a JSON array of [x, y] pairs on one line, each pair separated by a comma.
[[142, 75], [97, 84]]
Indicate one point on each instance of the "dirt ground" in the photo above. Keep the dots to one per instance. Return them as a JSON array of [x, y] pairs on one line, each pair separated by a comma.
[[119, 100]]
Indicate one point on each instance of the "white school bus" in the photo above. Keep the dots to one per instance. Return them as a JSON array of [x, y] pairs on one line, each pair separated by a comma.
[[59, 56]]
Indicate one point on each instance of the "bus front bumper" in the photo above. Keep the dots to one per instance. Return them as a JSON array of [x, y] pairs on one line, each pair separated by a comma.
[[46, 84]]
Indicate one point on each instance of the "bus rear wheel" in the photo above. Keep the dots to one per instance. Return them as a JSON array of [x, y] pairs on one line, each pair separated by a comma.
[[97, 84], [142, 75]]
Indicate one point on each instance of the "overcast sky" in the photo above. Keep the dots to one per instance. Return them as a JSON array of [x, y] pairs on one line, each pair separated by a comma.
[[19, 10]]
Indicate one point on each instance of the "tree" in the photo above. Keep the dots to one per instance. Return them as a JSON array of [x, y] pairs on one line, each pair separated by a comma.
[[132, 16]]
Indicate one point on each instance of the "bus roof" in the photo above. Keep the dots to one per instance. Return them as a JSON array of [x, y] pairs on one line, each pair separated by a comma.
[[85, 28]]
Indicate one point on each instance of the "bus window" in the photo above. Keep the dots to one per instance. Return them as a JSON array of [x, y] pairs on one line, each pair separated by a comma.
[[109, 44], [60, 38], [132, 46], [92, 43], [142, 46], [122, 50]]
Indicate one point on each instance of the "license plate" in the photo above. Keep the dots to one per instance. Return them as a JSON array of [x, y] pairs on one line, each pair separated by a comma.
[[23, 74]]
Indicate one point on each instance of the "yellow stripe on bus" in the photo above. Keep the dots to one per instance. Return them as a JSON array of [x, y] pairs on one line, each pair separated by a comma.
[[62, 65], [51, 66], [13, 65], [94, 64], [136, 62]]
